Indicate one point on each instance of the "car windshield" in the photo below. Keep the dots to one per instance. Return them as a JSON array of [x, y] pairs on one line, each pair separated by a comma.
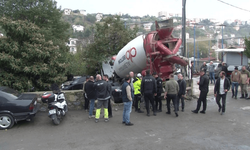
[[75, 81]]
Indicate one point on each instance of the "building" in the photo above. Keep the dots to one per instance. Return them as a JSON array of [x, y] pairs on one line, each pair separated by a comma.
[[99, 17], [67, 11], [147, 26], [83, 12], [78, 28], [163, 15], [72, 44], [234, 56]]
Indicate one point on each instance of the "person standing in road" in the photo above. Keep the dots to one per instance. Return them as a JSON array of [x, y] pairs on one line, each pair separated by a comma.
[[159, 91], [211, 69], [103, 95], [181, 93], [106, 78], [91, 94], [224, 68], [171, 91], [222, 86], [244, 82], [235, 79], [192, 69], [127, 98], [149, 90], [204, 67], [137, 93], [86, 100], [203, 86]]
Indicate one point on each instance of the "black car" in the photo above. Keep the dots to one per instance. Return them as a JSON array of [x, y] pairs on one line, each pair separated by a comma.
[[116, 92], [16, 107], [77, 84]]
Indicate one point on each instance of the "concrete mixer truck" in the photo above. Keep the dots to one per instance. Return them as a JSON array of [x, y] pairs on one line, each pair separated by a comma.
[[156, 51]]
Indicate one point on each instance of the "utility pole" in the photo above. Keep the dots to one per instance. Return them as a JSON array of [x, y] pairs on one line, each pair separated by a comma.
[[184, 27]]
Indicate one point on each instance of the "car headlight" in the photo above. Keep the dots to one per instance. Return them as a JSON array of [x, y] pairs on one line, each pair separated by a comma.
[[118, 90]]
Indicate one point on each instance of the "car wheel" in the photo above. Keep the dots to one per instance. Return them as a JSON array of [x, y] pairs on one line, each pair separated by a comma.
[[6, 121]]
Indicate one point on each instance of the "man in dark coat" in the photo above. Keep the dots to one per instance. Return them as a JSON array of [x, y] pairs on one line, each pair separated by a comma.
[[224, 68], [203, 86], [148, 89], [222, 86], [106, 78], [181, 93], [89, 89], [204, 67], [159, 91]]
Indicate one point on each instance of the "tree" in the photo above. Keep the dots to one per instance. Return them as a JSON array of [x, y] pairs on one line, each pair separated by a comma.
[[27, 59], [109, 37], [43, 13], [247, 49]]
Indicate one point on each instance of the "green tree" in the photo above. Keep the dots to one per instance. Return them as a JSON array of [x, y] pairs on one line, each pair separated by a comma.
[[27, 59], [247, 49], [110, 36]]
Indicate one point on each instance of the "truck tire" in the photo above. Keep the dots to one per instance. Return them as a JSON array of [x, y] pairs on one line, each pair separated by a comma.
[[6, 121]]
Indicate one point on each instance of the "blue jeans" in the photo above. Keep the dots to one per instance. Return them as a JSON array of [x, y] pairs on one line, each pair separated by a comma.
[[126, 111], [235, 88], [91, 107], [211, 75]]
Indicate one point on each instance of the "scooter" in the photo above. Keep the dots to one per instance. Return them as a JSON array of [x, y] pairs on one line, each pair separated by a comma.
[[56, 104]]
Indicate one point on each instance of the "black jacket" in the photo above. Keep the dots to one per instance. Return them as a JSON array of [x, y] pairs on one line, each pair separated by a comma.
[[148, 85], [182, 87], [217, 85], [224, 68], [102, 90], [89, 89], [159, 85], [204, 82], [204, 68]]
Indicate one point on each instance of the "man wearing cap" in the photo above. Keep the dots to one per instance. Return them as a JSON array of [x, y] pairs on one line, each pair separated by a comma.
[[159, 91], [235, 79], [137, 92], [245, 75]]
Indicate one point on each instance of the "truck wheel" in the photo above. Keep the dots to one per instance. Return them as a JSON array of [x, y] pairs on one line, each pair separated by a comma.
[[55, 119], [6, 121]]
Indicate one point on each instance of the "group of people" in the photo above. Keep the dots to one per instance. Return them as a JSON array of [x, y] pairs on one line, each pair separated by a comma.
[[99, 89], [221, 85], [149, 88]]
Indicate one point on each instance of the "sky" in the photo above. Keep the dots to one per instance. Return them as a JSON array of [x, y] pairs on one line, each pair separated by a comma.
[[194, 8]]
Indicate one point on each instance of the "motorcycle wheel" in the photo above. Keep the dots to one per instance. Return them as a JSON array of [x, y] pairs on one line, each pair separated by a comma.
[[55, 119]]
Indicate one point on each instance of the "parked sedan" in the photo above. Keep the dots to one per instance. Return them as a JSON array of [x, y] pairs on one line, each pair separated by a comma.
[[16, 107]]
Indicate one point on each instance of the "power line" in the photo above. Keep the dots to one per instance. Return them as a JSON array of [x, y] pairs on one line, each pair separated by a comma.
[[233, 5]]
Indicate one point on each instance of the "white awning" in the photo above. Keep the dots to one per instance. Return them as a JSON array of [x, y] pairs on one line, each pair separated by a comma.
[[231, 50]]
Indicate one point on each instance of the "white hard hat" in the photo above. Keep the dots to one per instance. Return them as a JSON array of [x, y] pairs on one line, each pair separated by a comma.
[[139, 75]]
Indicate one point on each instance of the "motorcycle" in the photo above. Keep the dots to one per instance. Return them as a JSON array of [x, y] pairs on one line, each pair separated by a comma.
[[57, 105]]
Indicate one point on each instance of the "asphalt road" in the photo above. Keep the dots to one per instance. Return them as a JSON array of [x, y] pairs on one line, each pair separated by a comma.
[[210, 131]]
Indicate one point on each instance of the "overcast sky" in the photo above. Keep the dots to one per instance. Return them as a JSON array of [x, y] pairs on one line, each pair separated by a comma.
[[194, 8]]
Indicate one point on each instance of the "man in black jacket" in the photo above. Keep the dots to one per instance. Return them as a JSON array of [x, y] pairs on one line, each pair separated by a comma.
[[222, 86], [106, 78], [159, 91], [91, 94], [148, 89], [204, 67], [203, 86], [181, 93], [102, 93], [224, 68]]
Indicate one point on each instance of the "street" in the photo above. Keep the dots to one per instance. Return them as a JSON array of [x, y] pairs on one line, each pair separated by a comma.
[[208, 131]]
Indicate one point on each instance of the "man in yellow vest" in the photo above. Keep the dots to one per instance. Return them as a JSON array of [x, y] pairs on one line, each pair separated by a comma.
[[137, 93]]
